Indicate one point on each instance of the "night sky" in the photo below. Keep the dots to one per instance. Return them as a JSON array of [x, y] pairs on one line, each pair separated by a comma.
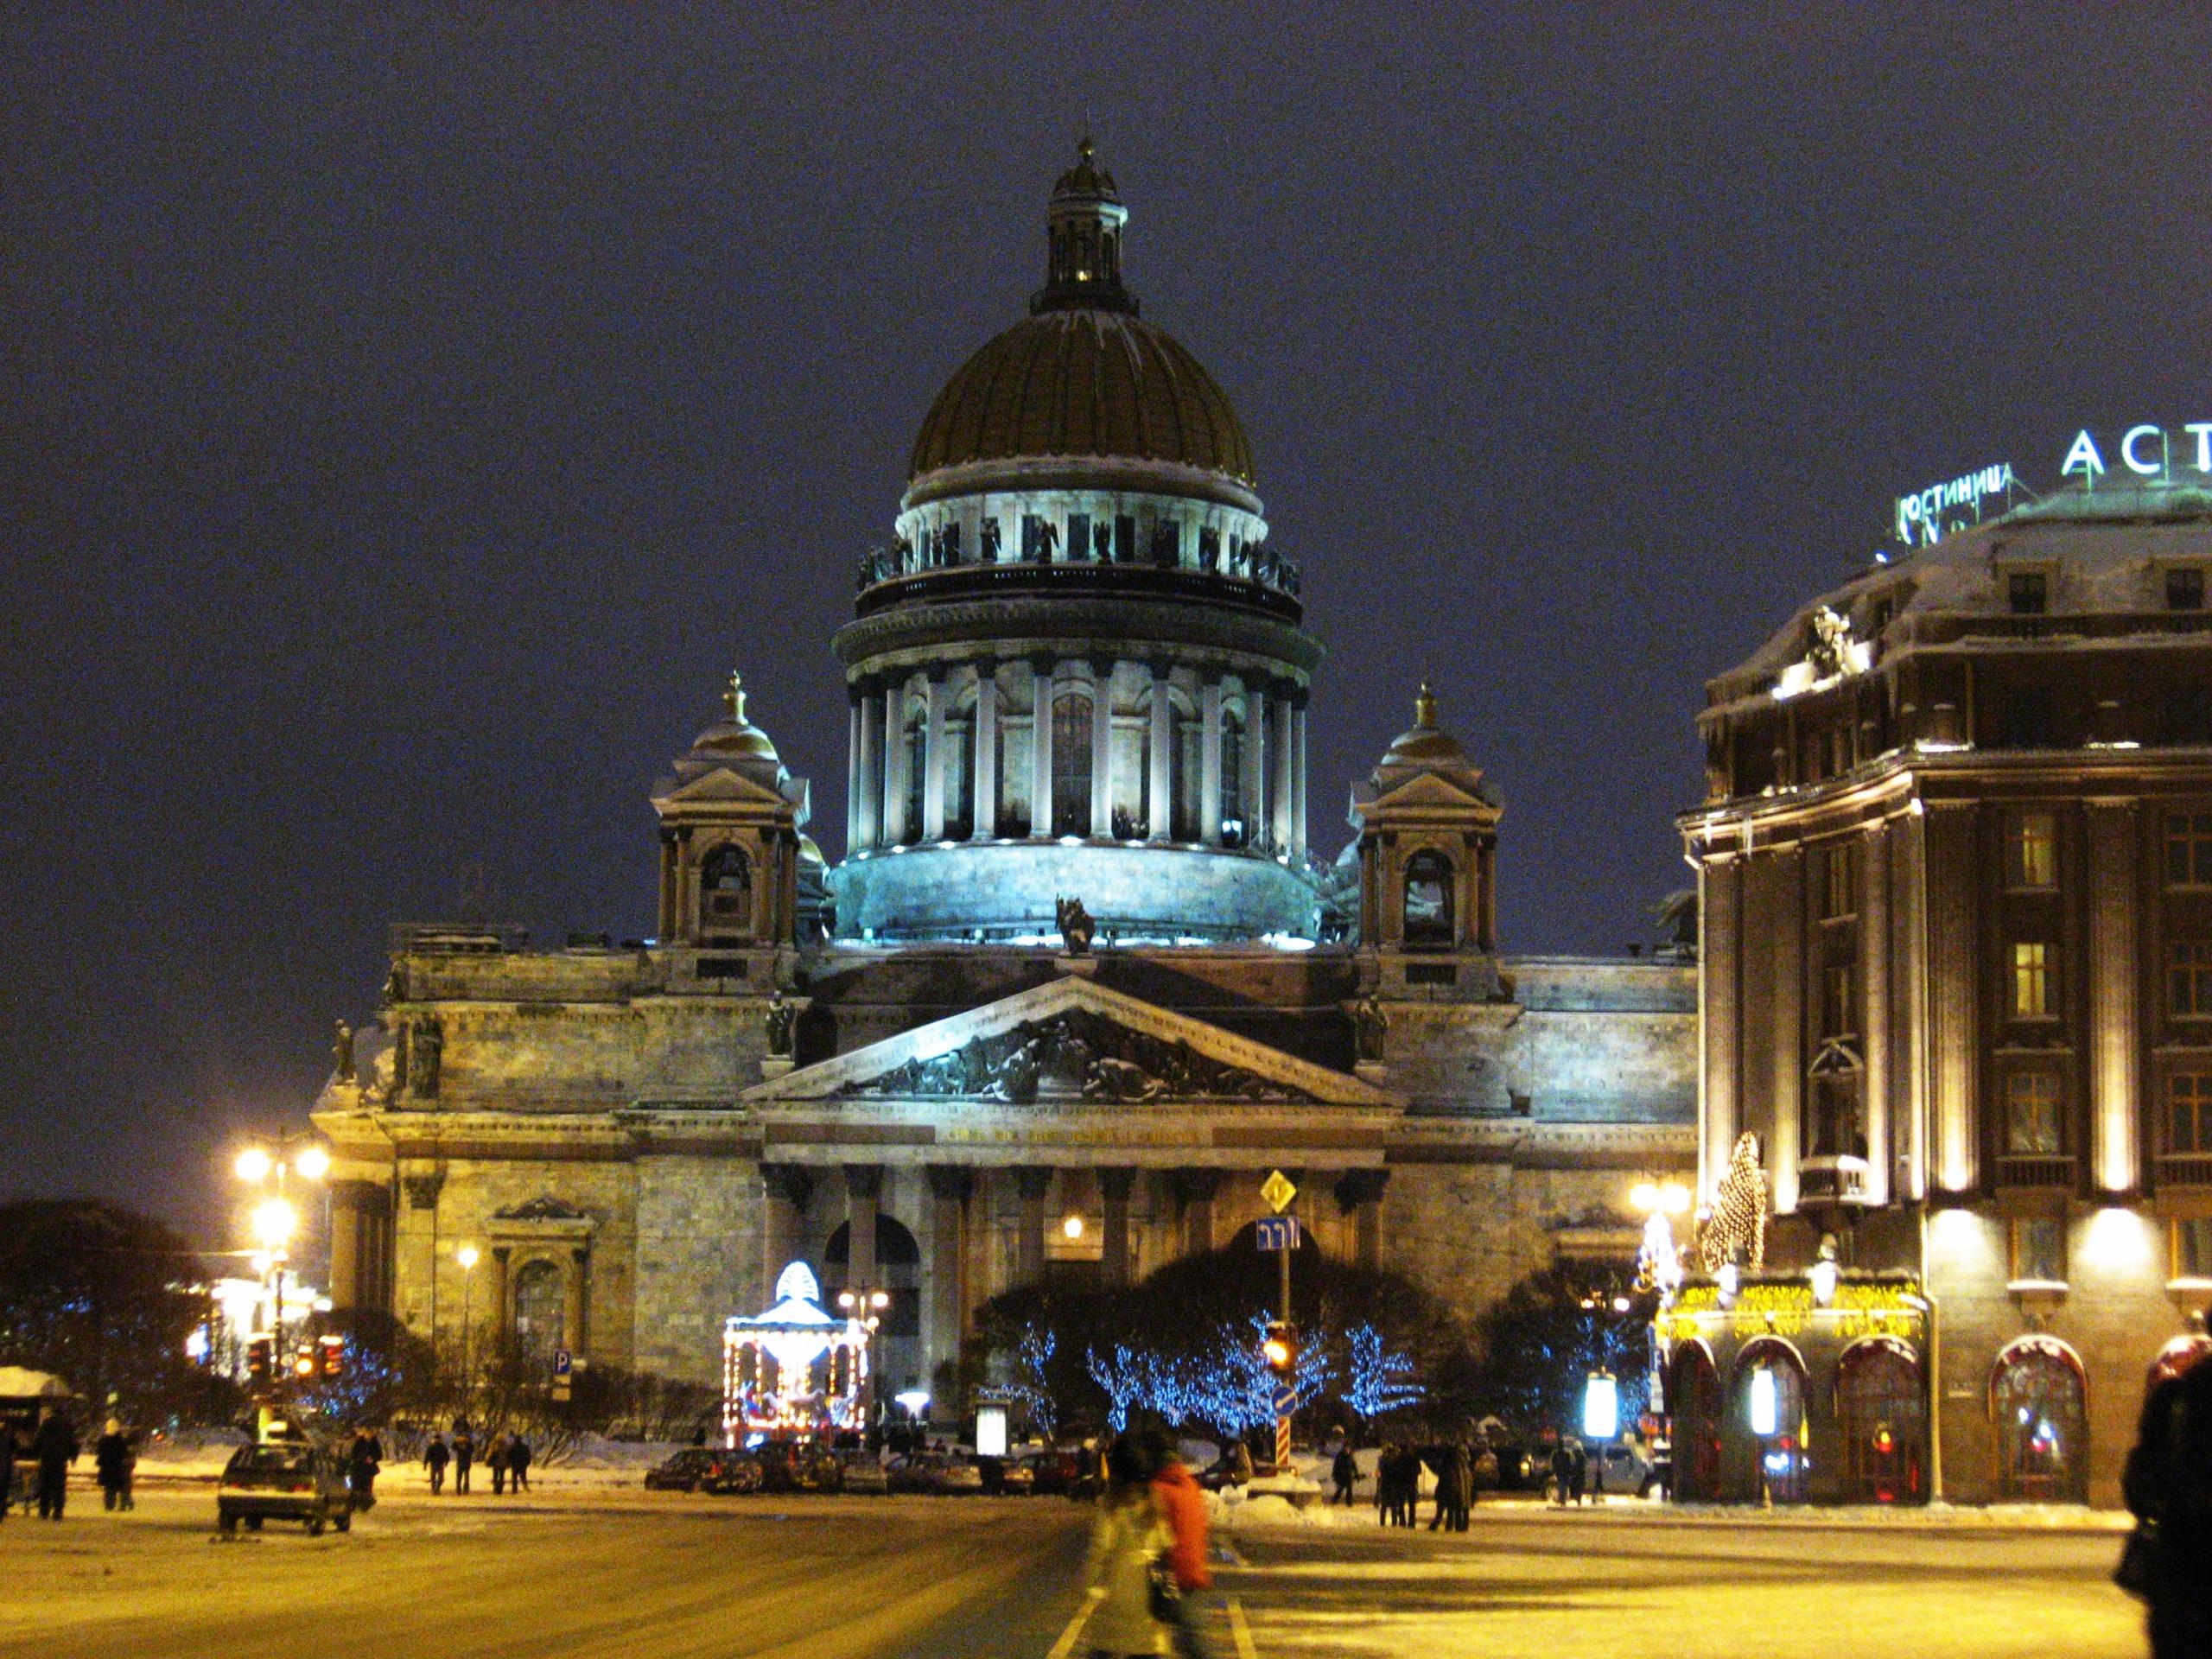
[[409, 417]]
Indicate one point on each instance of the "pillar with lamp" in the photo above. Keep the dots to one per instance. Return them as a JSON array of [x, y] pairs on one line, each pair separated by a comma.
[[863, 1308]]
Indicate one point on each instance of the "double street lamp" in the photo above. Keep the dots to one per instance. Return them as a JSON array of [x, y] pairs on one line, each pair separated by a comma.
[[864, 1308], [273, 1221]]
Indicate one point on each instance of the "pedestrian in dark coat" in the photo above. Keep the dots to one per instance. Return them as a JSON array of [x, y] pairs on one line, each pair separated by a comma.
[[55, 1446], [495, 1459], [1580, 1455], [363, 1460], [1405, 1489], [2168, 1484], [1455, 1487], [518, 1463], [1562, 1474], [6, 1466], [1344, 1471], [114, 1458], [464, 1459], [435, 1459]]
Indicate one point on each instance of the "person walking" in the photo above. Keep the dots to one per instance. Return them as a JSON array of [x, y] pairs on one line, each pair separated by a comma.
[[1344, 1471], [1184, 1508], [1386, 1475], [518, 1463], [2168, 1486], [113, 1460], [1580, 1455], [1455, 1487], [1409, 1486], [363, 1459], [435, 1459], [55, 1448], [6, 1466], [1130, 1536], [1562, 1481], [495, 1458], [464, 1457]]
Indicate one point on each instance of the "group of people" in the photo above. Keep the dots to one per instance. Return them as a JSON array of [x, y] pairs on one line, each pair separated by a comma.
[[507, 1456], [53, 1447], [1146, 1565], [1397, 1482], [1571, 1471]]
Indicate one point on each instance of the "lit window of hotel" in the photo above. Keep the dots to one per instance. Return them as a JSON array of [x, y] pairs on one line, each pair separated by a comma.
[[2188, 979], [2039, 1249], [2189, 1114], [2189, 849], [2031, 1115], [2031, 851], [2193, 1248], [2032, 998]]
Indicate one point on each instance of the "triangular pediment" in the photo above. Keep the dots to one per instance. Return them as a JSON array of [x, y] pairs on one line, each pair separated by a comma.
[[1070, 1040], [719, 787], [1432, 790]]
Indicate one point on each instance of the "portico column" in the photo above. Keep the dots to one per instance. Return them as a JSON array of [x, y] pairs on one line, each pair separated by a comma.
[[502, 1319], [1195, 1190], [852, 779], [867, 782], [1113, 1186], [1209, 761], [1298, 778], [1031, 1184], [863, 1186], [1874, 981], [1040, 748], [2113, 1042], [346, 1251], [933, 757], [985, 757], [787, 1187], [1161, 811], [1359, 1196], [945, 1295], [1102, 749], [894, 764]]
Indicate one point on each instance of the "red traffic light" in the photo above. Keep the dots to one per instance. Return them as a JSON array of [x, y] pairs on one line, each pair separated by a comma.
[[260, 1356], [331, 1356], [1280, 1348]]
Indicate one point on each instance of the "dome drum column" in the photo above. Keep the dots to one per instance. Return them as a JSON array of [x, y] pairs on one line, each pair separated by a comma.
[[1159, 810], [1210, 760], [894, 764], [933, 756], [868, 818], [1298, 778], [852, 770], [1250, 792], [1282, 789]]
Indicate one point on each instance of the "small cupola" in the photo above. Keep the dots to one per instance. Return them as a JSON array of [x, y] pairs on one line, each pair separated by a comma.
[[1084, 267]]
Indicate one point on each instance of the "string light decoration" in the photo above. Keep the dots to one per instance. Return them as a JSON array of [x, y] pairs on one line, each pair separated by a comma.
[[1736, 1232], [1380, 1381], [796, 1370]]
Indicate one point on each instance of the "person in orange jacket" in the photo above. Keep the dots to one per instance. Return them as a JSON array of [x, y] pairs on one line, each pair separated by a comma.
[[1184, 1507]]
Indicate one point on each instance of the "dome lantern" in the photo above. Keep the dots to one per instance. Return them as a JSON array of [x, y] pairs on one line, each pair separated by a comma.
[[1083, 268]]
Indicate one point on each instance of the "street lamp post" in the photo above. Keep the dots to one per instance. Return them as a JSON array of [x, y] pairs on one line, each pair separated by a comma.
[[864, 1308], [274, 1221]]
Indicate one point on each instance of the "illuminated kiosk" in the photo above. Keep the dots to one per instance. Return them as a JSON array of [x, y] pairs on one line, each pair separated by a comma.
[[794, 1371]]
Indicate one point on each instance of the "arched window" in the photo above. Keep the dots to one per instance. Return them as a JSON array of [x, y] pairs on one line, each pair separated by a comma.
[[1429, 921], [1694, 1393], [916, 738], [1883, 1418], [1236, 823], [898, 1272], [725, 888], [1770, 1403], [2036, 1395], [538, 1316], [1071, 766]]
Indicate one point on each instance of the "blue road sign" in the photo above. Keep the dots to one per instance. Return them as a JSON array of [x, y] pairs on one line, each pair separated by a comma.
[[1274, 1233], [1286, 1400], [561, 1363]]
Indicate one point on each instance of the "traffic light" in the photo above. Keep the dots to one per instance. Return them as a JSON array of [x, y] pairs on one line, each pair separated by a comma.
[[260, 1358], [303, 1362], [332, 1355], [1280, 1349]]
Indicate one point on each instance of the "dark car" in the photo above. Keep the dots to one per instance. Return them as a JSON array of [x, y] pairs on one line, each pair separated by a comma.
[[1056, 1472], [705, 1469], [801, 1466], [285, 1480]]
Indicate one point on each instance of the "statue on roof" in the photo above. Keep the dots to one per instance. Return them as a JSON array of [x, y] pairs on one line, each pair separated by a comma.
[[1078, 929]]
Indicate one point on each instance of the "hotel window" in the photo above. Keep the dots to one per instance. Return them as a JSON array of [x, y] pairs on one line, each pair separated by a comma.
[[1837, 898], [2189, 849], [2031, 997], [2031, 851], [1839, 1000], [2028, 593], [2185, 587], [2193, 1248], [2188, 979], [2189, 1114], [2031, 1115], [2039, 1250]]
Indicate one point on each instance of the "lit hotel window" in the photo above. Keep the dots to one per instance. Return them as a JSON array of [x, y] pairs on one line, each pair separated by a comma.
[[2032, 980], [2031, 851], [2189, 849], [2031, 1115], [2193, 1248], [2188, 979], [2189, 1114]]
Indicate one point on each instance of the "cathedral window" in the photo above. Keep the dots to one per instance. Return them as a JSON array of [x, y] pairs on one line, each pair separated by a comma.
[[1071, 766], [2188, 979], [959, 776], [948, 544], [725, 888], [2189, 1114], [1125, 539], [1429, 922], [538, 1316], [2189, 849], [1167, 543], [990, 540], [2031, 1128], [2032, 850], [1079, 536], [1209, 550], [1236, 825]]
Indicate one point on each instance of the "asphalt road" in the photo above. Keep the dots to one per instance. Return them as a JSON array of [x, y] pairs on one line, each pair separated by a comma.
[[616, 1573]]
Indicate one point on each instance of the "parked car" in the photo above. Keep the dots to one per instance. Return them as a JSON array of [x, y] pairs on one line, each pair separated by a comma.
[[285, 1480], [864, 1472], [689, 1470], [1054, 1471], [801, 1466], [940, 1472]]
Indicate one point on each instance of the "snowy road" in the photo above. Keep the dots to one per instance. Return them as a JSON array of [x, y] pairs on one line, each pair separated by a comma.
[[621, 1574]]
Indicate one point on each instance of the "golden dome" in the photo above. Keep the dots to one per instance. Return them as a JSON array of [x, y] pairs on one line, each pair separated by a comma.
[[733, 737], [1083, 382], [1428, 744]]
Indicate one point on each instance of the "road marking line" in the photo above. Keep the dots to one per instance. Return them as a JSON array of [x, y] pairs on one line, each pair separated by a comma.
[[1065, 1645], [1241, 1631]]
